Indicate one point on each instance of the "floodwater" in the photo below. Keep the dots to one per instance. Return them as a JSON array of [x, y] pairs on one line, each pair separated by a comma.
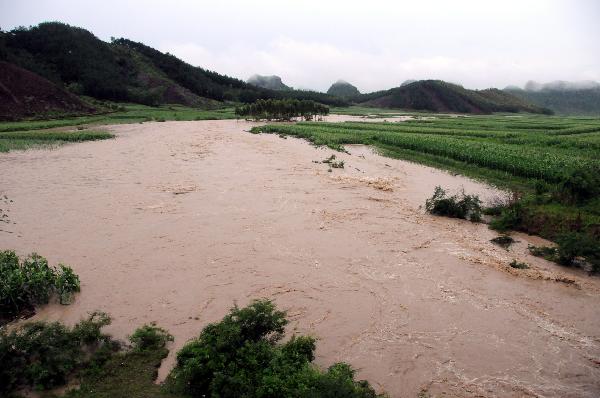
[[175, 222]]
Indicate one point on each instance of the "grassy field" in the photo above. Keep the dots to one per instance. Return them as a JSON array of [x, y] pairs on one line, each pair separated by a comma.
[[127, 113], [20, 140], [531, 155], [49, 133]]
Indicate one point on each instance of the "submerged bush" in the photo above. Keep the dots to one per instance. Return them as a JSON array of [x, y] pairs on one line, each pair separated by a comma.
[[30, 282], [150, 337], [241, 357], [43, 355], [503, 241], [456, 206], [518, 265]]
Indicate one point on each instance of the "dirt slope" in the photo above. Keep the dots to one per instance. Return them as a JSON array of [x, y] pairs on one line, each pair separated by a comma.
[[25, 94]]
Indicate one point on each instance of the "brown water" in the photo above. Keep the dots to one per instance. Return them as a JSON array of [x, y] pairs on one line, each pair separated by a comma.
[[174, 222]]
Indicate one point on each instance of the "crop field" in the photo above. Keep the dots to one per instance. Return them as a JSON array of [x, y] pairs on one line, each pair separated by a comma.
[[524, 148]]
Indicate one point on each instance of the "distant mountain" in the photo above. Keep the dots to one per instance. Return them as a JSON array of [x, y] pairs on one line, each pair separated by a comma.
[[440, 96], [564, 98], [343, 89], [269, 82], [127, 71], [25, 94]]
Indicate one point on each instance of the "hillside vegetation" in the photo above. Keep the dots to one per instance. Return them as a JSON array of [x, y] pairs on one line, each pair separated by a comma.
[[440, 96], [343, 89], [126, 71]]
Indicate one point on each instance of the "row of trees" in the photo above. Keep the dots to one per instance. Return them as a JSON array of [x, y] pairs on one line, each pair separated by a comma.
[[285, 109]]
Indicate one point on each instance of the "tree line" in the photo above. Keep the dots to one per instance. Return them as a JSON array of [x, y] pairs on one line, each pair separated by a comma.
[[284, 110]]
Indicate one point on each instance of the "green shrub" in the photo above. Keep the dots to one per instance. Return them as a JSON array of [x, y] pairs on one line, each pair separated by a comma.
[[580, 186], [576, 244], [30, 282], [456, 206], [149, 337], [511, 217], [43, 355], [240, 357]]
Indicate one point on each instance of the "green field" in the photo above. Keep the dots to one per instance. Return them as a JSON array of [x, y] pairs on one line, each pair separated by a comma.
[[534, 156], [125, 113], [49, 133]]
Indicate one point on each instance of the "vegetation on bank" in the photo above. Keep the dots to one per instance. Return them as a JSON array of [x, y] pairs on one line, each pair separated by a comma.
[[551, 163], [242, 355], [50, 132], [19, 140], [31, 281], [283, 110]]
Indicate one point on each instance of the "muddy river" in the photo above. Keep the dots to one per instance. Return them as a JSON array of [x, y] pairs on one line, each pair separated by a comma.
[[175, 222]]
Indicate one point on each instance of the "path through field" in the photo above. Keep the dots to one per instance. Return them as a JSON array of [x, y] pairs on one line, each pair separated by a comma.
[[174, 222]]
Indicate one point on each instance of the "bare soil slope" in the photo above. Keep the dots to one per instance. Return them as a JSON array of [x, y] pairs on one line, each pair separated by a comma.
[[174, 222], [25, 94]]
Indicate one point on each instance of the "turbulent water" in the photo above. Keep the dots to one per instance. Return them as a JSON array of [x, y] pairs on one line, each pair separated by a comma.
[[175, 222]]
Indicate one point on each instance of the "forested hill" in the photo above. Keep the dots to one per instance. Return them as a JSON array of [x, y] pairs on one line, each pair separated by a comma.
[[343, 89], [124, 70], [440, 96]]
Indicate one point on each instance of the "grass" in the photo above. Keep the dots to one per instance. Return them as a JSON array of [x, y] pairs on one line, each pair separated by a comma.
[[127, 113], [51, 133], [20, 140]]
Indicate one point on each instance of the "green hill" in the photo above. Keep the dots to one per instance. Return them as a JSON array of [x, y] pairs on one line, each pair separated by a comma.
[[124, 70], [343, 89], [440, 96]]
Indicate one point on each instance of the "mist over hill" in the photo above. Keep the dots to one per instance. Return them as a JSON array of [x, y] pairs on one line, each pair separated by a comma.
[[270, 82], [563, 97]]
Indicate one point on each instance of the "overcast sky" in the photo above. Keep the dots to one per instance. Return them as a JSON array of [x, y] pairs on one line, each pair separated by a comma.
[[372, 44]]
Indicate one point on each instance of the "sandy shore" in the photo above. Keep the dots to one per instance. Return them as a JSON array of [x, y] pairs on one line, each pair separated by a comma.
[[174, 222]]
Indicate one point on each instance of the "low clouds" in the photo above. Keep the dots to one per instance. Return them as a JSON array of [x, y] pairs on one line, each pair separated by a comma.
[[374, 45], [317, 65]]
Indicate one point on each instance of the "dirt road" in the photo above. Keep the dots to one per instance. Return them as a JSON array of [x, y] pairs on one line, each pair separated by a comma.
[[174, 222]]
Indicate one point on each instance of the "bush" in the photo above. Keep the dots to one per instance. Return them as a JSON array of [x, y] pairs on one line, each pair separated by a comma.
[[43, 355], [30, 282], [580, 186], [576, 244], [240, 357], [456, 206], [150, 337], [511, 217]]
